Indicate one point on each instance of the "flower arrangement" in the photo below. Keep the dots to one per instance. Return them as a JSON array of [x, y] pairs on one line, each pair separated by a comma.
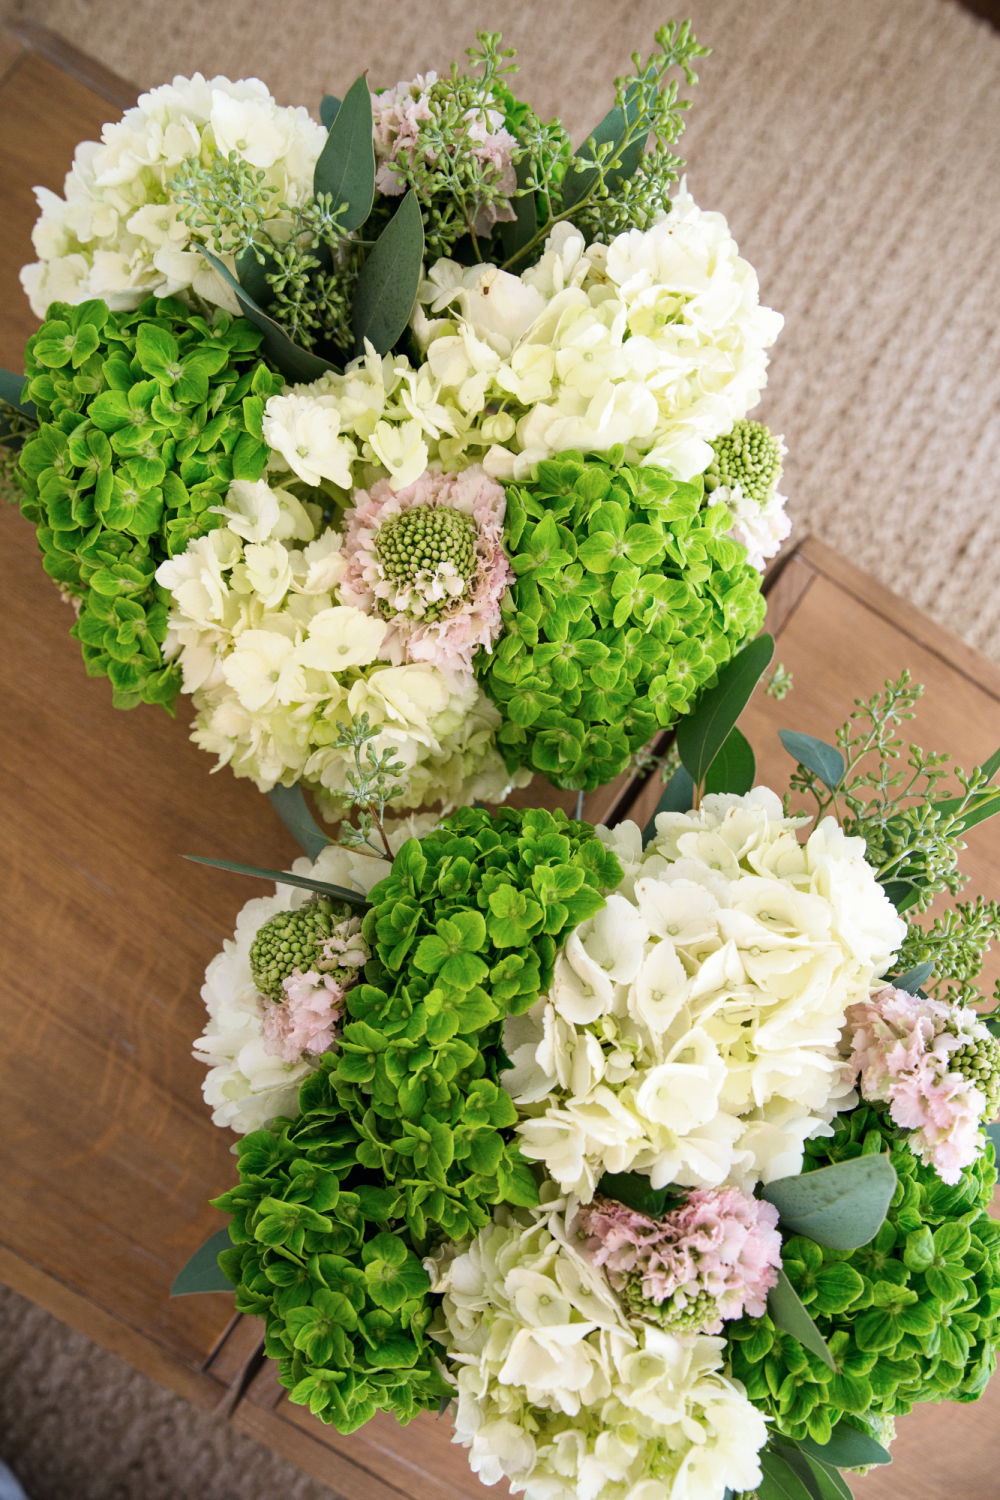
[[643, 1150], [491, 481]]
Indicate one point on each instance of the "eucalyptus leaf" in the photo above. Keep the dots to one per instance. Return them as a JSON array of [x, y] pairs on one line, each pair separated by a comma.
[[913, 979], [780, 1482], [902, 893], [634, 1190], [801, 1468], [848, 1448], [677, 796], [329, 105], [821, 1481], [387, 286], [290, 804], [11, 390], [202, 1273], [841, 1206], [993, 1134], [702, 734], [734, 768], [825, 761], [788, 1313], [516, 233], [252, 275], [346, 165], [298, 365], [284, 877], [612, 130]]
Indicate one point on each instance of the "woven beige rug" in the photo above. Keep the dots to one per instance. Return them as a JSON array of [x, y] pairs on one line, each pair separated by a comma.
[[852, 145]]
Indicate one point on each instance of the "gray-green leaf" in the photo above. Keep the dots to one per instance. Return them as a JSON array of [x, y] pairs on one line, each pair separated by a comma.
[[329, 105], [11, 390], [677, 796], [703, 733], [612, 129], [387, 286], [290, 804], [825, 761], [346, 165], [842, 1206], [734, 768], [202, 1273], [252, 275], [298, 365], [284, 877], [913, 979], [821, 1481], [787, 1312], [780, 1482], [848, 1448]]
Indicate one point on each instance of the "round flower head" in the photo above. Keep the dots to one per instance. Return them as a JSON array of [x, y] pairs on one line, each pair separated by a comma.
[[429, 559], [909, 1051], [691, 1032], [713, 1258], [560, 1394], [748, 456]]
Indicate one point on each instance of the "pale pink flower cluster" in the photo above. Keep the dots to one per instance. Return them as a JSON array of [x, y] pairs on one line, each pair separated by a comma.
[[901, 1047], [473, 618], [346, 948], [397, 115], [303, 1022], [722, 1243]]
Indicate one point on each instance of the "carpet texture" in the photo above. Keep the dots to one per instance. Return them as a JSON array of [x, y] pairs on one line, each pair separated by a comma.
[[852, 146]]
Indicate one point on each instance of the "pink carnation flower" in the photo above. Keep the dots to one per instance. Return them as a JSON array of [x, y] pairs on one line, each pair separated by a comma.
[[460, 623], [303, 1022], [901, 1048], [716, 1257]]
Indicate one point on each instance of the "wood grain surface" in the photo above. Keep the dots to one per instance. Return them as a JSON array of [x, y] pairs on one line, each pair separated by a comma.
[[109, 1152]]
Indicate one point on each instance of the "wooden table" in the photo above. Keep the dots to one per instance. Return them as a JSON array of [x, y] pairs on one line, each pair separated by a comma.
[[110, 1155]]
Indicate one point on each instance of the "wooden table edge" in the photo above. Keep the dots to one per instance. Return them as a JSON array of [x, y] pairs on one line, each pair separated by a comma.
[[24, 36]]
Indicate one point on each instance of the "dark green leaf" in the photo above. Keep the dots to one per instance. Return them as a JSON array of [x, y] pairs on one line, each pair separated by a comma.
[[11, 387], [678, 796], [912, 980], [842, 1206], [633, 1189], [290, 804], [824, 760], [517, 233], [346, 165], [801, 1468], [902, 893], [284, 876], [252, 276], [328, 108], [387, 286], [613, 128], [202, 1273], [703, 733], [787, 1313], [780, 1482], [848, 1448], [821, 1481], [734, 768], [295, 363], [993, 1133]]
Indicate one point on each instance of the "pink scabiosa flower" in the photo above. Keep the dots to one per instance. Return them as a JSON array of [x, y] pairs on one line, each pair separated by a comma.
[[937, 1067], [302, 1024], [716, 1257], [429, 559]]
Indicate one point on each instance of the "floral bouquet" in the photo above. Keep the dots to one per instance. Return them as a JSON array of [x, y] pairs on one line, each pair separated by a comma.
[[659, 1159], [418, 417]]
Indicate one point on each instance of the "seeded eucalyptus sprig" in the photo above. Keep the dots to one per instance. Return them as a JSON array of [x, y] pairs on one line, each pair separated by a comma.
[[372, 783]]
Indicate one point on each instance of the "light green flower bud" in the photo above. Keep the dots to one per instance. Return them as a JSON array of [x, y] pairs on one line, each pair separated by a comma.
[[291, 940], [698, 1312], [749, 456], [979, 1062]]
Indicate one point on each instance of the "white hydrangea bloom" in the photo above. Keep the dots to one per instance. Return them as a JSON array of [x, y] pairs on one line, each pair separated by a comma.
[[560, 1395], [656, 341], [274, 661], [248, 1086], [691, 1030], [116, 234]]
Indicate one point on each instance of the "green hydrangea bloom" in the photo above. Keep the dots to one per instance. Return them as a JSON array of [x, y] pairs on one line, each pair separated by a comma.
[[629, 598], [404, 1133], [292, 940], [748, 456], [145, 418], [912, 1316]]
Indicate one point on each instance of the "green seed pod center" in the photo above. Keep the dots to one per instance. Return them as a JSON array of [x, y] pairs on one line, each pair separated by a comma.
[[749, 456]]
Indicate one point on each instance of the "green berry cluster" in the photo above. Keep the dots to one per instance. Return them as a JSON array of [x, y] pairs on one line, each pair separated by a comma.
[[699, 1310], [145, 418], [911, 1316], [344, 1300], [292, 940], [420, 540], [629, 598], [979, 1062], [748, 456]]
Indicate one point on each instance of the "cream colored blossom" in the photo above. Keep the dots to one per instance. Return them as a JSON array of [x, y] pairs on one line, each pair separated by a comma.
[[691, 1030]]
